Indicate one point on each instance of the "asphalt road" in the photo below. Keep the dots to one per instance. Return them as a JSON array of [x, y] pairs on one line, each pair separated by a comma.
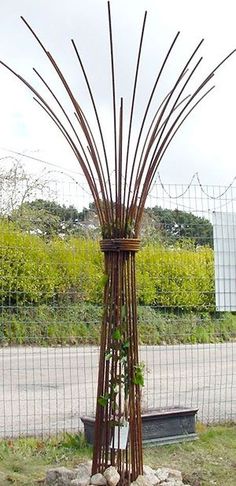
[[48, 389]]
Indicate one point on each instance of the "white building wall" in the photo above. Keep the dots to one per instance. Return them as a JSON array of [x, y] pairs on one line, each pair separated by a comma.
[[224, 233]]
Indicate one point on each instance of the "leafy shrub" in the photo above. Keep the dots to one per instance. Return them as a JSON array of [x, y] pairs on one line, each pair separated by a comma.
[[176, 277], [79, 264], [26, 270], [71, 270]]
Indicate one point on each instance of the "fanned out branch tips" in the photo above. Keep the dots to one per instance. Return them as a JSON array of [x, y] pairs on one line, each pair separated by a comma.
[[120, 205], [120, 185]]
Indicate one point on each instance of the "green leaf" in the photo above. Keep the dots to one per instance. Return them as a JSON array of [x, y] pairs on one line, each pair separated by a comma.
[[139, 374], [139, 379], [117, 334], [125, 345], [103, 399], [104, 280]]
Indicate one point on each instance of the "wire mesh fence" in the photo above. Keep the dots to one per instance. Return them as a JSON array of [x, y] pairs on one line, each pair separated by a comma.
[[51, 293]]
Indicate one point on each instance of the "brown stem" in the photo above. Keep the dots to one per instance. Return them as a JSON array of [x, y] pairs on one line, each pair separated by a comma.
[[122, 327]]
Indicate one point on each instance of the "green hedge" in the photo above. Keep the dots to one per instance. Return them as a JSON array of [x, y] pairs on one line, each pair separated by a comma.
[[26, 271], [34, 271], [79, 264], [176, 277]]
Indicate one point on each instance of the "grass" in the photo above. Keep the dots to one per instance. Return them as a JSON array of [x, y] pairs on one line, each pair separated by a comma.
[[24, 461], [211, 460], [79, 324]]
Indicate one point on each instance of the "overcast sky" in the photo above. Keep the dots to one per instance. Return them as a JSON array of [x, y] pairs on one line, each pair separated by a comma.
[[206, 143]]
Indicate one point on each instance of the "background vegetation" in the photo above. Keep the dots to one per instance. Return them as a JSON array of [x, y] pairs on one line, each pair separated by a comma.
[[52, 290], [36, 271], [52, 277]]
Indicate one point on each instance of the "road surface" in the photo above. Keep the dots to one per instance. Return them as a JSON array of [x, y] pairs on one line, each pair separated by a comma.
[[46, 390]]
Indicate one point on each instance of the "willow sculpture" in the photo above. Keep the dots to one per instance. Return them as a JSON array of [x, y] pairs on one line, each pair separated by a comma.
[[120, 186]]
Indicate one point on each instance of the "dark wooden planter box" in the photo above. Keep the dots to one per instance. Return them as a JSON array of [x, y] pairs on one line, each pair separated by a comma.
[[160, 426]]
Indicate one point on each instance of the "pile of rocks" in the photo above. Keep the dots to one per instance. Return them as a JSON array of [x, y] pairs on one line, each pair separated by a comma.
[[81, 476]]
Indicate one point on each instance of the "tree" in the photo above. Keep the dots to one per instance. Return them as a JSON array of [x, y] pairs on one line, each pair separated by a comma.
[[46, 218], [49, 218], [175, 225], [35, 220], [17, 185]]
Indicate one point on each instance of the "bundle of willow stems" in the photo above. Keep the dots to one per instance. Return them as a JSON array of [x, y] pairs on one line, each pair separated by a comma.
[[120, 186]]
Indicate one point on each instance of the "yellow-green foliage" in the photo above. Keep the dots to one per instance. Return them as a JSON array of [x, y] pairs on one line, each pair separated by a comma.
[[79, 263], [26, 271], [176, 277], [34, 271]]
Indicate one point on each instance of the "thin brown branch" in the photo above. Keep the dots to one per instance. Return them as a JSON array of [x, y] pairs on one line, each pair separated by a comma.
[[143, 199], [119, 193], [145, 161], [87, 171], [145, 116], [132, 106], [97, 118], [113, 96]]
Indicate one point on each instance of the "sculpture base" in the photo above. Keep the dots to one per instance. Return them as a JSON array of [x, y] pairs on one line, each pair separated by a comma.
[[160, 426]]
